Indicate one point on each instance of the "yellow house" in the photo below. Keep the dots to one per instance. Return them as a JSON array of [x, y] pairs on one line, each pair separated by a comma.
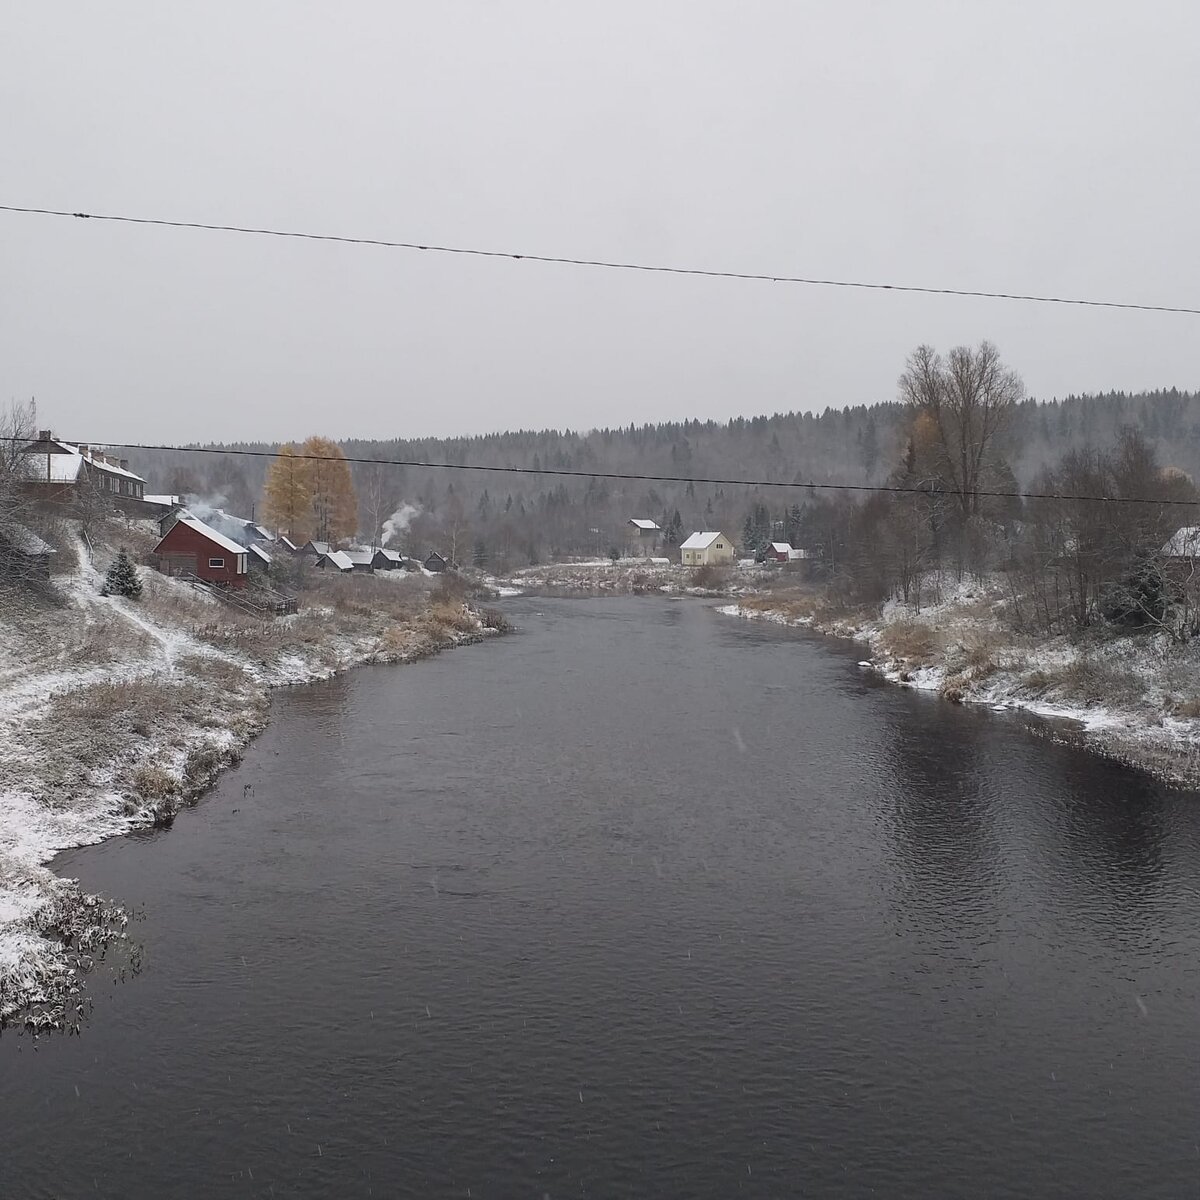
[[702, 548]]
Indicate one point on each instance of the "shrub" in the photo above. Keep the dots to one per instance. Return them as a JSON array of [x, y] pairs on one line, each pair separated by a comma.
[[910, 640], [154, 782], [708, 575]]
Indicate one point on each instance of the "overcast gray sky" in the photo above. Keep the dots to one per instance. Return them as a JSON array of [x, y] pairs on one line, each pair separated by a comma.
[[1044, 147]]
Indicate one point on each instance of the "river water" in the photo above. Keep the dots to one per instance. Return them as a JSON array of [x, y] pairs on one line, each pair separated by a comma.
[[640, 901]]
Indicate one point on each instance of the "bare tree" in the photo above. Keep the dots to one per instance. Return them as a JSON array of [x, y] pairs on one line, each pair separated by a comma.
[[16, 429], [963, 404]]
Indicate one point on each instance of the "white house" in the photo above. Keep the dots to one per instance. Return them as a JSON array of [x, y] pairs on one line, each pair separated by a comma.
[[702, 549]]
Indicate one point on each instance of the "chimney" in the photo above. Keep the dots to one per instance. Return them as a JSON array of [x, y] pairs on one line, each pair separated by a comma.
[[84, 449], [124, 464], [44, 435]]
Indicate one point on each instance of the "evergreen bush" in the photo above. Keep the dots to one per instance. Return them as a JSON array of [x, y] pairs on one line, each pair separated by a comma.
[[122, 578]]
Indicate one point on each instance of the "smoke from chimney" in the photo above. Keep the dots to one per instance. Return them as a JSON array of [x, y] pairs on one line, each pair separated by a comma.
[[399, 522]]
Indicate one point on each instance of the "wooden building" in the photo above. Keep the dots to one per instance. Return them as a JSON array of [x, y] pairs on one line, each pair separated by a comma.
[[435, 562], [61, 472], [191, 548], [708, 548], [387, 560], [23, 555], [335, 560]]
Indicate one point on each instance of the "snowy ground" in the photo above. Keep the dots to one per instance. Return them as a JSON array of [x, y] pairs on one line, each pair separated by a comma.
[[114, 713], [1134, 698], [633, 576]]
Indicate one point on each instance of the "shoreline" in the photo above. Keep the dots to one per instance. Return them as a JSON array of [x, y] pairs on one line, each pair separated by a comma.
[[99, 749], [1116, 699]]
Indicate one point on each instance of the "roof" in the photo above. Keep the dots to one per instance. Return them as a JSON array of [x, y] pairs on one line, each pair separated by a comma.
[[642, 523], [286, 543], [219, 539], [435, 554], [260, 553], [702, 541], [1184, 544], [65, 463], [321, 548], [169, 501], [360, 557], [24, 540], [781, 547], [390, 555], [340, 559]]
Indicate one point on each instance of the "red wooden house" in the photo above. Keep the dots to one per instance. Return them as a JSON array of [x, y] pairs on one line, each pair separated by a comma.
[[192, 548]]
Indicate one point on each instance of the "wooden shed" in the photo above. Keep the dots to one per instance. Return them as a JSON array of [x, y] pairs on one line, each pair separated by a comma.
[[192, 548], [23, 555]]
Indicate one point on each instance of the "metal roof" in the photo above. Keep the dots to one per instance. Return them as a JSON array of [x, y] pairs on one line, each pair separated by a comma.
[[209, 532], [702, 541]]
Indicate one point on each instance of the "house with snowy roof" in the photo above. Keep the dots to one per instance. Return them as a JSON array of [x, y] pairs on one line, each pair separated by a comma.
[[1184, 544], [783, 552], [706, 549], [58, 471], [387, 560], [192, 549], [642, 537], [23, 555], [335, 560]]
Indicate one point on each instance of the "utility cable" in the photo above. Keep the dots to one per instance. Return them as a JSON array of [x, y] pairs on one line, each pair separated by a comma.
[[627, 476], [607, 264]]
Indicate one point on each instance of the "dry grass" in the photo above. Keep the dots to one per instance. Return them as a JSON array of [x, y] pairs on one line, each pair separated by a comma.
[[710, 576], [911, 641], [154, 782], [108, 637], [1086, 681]]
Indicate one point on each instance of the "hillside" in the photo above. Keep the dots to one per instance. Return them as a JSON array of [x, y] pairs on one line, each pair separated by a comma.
[[508, 520]]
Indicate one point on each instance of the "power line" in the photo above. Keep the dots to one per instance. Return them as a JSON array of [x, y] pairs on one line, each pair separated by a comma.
[[626, 476], [608, 264]]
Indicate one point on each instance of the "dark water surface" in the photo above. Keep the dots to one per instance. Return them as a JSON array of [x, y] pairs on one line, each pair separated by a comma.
[[641, 901]]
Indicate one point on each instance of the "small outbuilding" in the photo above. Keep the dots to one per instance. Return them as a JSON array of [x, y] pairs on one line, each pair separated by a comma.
[[336, 560], [362, 561], [192, 548], [435, 562], [387, 560], [23, 555], [314, 549], [258, 560]]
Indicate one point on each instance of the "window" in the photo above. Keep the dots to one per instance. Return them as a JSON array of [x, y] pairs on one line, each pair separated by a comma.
[[720, 547], [216, 562]]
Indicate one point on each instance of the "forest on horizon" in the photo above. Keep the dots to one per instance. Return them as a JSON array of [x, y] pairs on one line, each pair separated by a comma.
[[509, 520]]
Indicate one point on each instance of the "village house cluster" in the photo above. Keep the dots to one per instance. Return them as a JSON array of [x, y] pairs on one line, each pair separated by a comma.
[[646, 539], [198, 543]]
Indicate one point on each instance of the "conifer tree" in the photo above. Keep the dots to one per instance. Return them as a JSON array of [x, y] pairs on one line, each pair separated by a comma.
[[288, 495], [334, 505], [122, 578]]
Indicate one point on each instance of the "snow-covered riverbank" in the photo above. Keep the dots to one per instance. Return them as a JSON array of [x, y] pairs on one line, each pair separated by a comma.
[[1132, 698], [115, 713]]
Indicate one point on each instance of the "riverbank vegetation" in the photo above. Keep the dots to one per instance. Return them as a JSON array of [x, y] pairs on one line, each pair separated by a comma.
[[1080, 598], [118, 709]]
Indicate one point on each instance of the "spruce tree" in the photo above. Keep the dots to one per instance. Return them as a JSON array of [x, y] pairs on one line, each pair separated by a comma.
[[122, 578]]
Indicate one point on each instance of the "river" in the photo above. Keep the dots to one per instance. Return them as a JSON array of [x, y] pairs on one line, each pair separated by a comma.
[[640, 901]]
